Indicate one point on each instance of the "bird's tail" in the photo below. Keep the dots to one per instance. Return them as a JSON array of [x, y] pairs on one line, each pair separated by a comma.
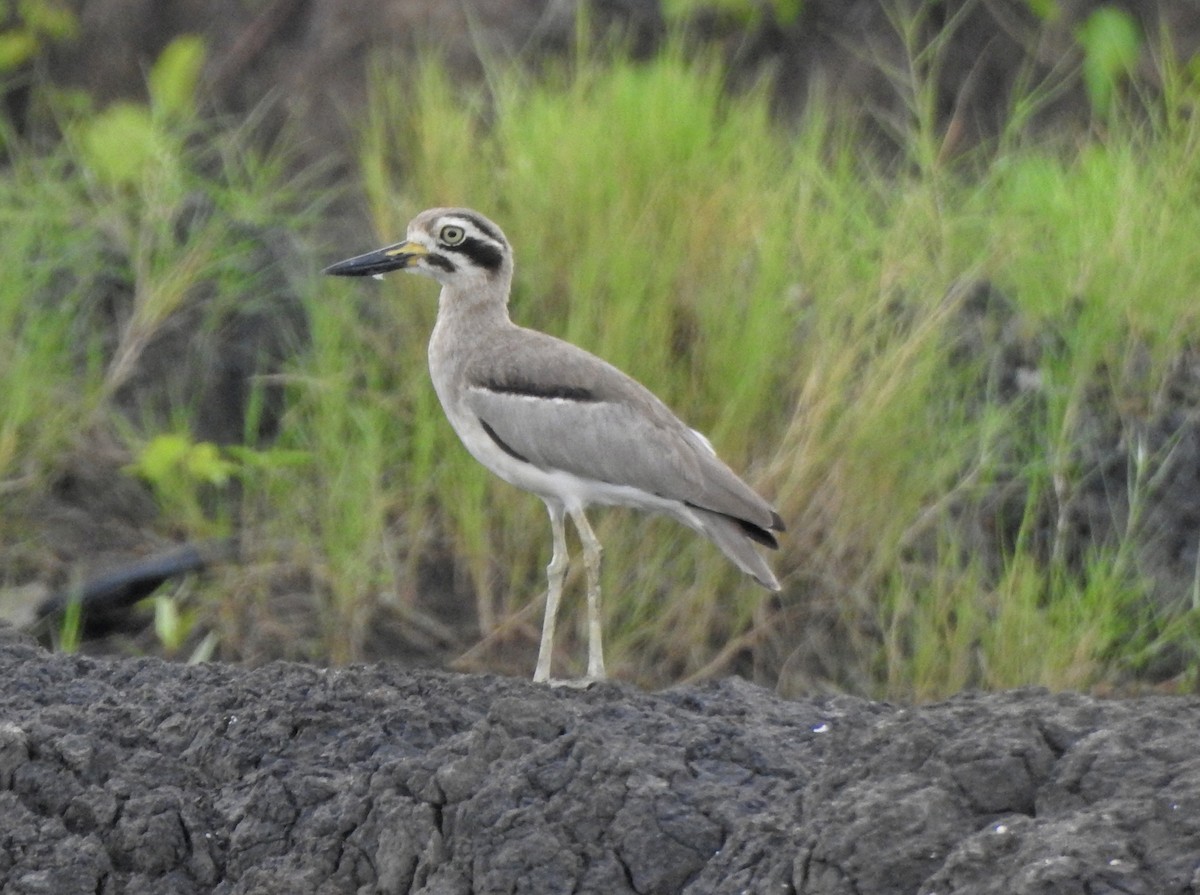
[[730, 535]]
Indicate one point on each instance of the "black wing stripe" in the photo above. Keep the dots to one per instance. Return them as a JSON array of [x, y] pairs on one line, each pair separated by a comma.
[[500, 442], [527, 389]]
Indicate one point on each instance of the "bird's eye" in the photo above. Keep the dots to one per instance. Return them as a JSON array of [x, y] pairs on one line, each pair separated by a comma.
[[452, 235]]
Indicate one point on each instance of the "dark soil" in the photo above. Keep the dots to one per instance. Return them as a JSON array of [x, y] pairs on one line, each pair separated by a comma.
[[146, 777]]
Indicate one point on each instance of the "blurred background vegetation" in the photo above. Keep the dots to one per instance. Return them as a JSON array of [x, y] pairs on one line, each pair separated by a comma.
[[928, 277]]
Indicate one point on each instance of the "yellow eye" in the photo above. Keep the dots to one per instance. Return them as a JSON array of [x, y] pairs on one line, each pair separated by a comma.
[[452, 235]]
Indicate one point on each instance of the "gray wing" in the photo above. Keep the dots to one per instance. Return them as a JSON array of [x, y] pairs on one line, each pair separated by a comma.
[[557, 406]]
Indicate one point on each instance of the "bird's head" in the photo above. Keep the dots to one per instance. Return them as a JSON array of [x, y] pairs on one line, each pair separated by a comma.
[[455, 246]]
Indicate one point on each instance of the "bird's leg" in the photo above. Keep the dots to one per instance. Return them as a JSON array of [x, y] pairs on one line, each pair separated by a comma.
[[555, 573], [591, 561]]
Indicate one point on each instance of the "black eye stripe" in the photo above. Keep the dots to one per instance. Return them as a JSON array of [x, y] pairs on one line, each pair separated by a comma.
[[440, 261], [481, 253], [484, 227]]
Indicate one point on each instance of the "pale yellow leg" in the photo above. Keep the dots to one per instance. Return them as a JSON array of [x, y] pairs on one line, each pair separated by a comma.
[[556, 571], [591, 561]]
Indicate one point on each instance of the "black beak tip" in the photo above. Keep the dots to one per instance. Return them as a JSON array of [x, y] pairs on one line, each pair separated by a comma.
[[349, 268], [370, 264]]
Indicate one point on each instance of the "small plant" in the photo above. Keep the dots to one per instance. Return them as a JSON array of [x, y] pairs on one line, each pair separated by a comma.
[[30, 25], [1111, 42], [69, 633], [140, 211], [173, 626], [128, 142], [184, 475]]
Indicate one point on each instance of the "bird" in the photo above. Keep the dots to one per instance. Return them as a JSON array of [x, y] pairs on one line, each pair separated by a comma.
[[553, 419]]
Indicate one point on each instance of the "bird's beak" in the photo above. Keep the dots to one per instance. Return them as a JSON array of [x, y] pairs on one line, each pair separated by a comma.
[[395, 257]]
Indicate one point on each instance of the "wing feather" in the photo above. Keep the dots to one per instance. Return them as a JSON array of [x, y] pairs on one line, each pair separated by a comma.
[[559, 407]]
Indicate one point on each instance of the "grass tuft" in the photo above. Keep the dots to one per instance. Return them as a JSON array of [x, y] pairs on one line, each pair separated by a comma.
[[957, 379]]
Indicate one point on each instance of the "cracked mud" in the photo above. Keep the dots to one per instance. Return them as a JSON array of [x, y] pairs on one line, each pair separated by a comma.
[[138, 776]]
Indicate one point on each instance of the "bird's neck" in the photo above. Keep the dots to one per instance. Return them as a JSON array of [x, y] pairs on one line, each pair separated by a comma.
[[460, 336], [480, 306], [466, 319]]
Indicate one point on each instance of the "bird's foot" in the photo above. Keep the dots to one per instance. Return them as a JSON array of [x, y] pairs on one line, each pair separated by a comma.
[[579, 683]]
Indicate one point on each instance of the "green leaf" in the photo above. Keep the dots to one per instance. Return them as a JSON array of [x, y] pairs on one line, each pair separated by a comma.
[[70, 632], [205, 649], [204, 463], [118, 143], [1046, 10], [174, 77], [161, 459], [168, 458], [17, 46], [168, 624], [1111, 44], [49, 18]]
